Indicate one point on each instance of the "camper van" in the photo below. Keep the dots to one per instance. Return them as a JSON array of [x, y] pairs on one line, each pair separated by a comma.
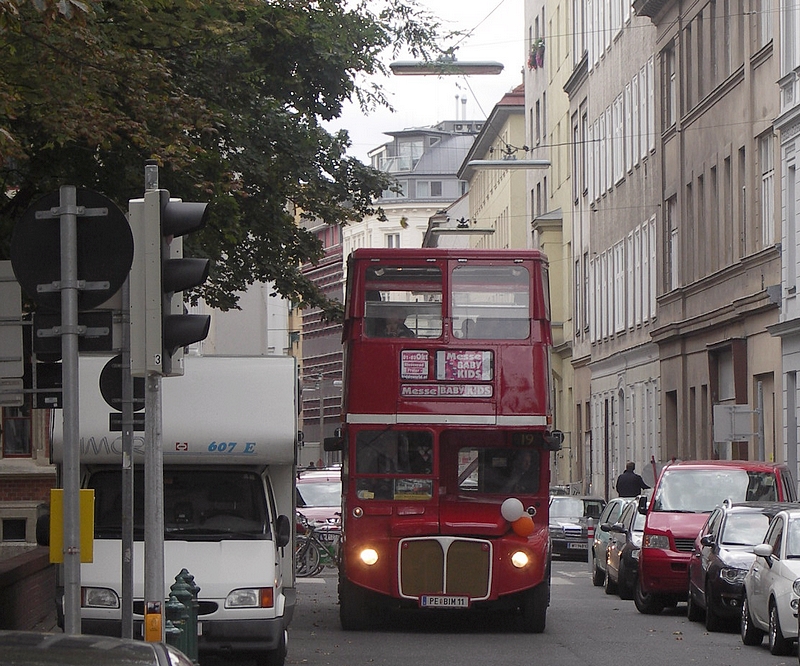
[[229, 434]]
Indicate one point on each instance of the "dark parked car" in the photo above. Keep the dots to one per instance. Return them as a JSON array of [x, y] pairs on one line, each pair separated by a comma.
[[30, 648], [721, 555], [569, 520], [610, 515], [622, 554]]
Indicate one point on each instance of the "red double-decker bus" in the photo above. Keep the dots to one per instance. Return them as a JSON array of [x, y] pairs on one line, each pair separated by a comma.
[[446, 433]]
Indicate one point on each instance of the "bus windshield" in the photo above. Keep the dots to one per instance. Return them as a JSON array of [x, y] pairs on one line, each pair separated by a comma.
[[495, 470]]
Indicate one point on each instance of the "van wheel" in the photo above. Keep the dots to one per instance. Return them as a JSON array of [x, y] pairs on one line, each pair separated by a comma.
[[534, 608], [751, 634], [275, 657], [646, 602], [354, 609]]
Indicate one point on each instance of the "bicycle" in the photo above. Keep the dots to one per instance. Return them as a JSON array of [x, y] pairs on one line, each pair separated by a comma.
[[317, 546]]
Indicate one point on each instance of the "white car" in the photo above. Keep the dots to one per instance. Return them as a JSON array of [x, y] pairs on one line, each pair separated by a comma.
[[772, 586]]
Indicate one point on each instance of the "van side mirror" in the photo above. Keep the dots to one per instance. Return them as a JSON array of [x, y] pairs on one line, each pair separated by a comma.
[[283, 531], [643, 505]]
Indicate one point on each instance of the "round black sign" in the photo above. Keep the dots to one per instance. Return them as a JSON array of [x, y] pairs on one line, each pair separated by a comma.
[[111, 385], [104, 252]]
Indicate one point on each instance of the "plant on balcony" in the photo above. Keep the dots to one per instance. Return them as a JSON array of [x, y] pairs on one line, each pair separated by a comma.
[[536, 55]]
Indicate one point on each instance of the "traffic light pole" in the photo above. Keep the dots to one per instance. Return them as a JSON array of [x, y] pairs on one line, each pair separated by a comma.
[[153, 508], [69, 354]]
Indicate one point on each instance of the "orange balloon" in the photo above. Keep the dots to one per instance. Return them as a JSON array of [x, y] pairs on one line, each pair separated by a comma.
[[523, 526]]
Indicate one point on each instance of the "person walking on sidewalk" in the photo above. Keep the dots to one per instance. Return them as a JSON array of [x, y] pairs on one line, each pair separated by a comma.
[[629, 483]]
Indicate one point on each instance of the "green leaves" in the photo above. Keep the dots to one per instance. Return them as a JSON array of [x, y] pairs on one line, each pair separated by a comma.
[[227, 95]]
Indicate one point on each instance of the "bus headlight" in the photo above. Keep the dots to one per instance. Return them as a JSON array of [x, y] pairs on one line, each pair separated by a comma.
[[519, 559], [99, 597], [369, 556]]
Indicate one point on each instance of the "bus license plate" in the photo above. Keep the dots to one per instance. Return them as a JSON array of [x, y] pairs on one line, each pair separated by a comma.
[[443, 601], [578, 546]]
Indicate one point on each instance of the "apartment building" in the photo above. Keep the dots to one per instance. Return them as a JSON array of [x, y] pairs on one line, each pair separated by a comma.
[[717, 63], [614, 206], [548, 66]]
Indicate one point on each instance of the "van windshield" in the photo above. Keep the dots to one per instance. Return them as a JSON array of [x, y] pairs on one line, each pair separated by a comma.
[[199, 505], [700, 490]]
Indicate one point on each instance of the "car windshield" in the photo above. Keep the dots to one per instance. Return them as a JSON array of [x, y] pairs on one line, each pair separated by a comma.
[[566, 507], [322, 492], [700, 490], [744, 529]]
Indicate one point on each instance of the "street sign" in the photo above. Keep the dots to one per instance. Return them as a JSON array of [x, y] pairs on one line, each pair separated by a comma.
[[104, 250], [115, 422], [95, 336], [733, 423], [111, 385]]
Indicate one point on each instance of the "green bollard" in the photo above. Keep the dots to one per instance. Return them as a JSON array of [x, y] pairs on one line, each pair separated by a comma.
[[175, 628], [194, 607]]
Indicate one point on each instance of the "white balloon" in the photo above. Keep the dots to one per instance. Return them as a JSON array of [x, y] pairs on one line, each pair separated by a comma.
[[512, 509]]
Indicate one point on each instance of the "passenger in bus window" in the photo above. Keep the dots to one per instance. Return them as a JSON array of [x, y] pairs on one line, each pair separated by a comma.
[[521, 479], [394, 325], [421, 459]]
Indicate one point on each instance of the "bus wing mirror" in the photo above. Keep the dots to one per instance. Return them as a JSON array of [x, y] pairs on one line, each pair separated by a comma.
[[554, 440]]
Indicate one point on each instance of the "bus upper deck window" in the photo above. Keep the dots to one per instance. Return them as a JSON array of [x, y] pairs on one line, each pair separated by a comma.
[[403, 301], [491, 302]]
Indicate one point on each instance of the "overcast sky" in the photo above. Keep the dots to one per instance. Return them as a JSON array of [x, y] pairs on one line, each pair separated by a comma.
[[499, 35]]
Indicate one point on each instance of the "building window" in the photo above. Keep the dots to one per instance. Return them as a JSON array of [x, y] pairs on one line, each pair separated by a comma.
[[766, 154], [16, 433], [14, 529], [429, 188], [670, 109], [392, 240], [671, 241], [764, 17]]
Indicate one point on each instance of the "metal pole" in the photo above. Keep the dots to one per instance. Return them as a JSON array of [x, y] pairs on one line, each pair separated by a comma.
[[762, 453], [127, 466], [153, 496], [154, 586], [71, 432], [322, 453]]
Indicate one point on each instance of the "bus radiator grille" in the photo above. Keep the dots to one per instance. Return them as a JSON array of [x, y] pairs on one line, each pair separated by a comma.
[[445, 566]]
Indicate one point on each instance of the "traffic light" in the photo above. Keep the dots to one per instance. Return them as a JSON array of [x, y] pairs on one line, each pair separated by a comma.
[[160, 327]]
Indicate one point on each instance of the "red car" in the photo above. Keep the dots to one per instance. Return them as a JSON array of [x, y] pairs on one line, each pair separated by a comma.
[[684, 495]]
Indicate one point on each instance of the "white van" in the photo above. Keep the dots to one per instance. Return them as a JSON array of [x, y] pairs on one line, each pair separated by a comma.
[[229, 437]]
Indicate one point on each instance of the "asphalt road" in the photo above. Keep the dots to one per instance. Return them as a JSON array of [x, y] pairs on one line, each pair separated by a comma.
[[584, 626]]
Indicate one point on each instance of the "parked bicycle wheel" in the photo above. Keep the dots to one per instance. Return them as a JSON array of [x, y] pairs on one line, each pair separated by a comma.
[[306, 557]]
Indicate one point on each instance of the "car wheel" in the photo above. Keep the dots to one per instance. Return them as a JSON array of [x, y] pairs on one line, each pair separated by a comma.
[[751, 634], [693, 612], [610, 585], [598, 575], [646, 602], [624, 588], [778, 645], [713, 621]]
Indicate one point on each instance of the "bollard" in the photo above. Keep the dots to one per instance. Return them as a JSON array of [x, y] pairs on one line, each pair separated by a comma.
[[193, 607], [590, 537], [176, 616]]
